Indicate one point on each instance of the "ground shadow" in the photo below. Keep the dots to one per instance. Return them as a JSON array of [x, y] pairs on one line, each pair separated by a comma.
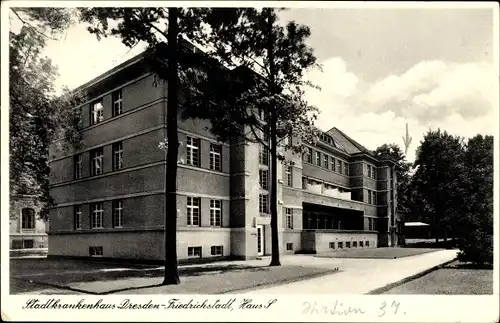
[[62, 280]]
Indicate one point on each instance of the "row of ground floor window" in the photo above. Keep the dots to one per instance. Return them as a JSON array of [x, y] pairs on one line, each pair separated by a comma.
[[218, 251]]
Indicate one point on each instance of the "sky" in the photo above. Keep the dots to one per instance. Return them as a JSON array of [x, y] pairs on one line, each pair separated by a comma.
[[381, 69]]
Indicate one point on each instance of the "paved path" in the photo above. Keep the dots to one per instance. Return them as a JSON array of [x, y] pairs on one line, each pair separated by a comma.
[[358, 276]]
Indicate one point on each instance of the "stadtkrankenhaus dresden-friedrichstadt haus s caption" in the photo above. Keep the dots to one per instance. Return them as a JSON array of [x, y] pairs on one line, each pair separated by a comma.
[[109, 194]]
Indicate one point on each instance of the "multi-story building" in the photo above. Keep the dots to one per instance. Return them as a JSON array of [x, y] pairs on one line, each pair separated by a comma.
[[28, 231], [110, 193]]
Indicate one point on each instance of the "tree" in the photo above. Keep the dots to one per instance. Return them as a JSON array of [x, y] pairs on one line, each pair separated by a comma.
[[173, 25], [439, 167], [475, 224], [37, 116], [271, 62]]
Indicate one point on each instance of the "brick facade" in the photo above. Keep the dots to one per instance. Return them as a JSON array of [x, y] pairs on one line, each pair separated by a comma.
[[228, 223]]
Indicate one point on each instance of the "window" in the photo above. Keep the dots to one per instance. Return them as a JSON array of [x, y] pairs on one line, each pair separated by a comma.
[[289, 141], [354, 244], [369, 170], [215, 160], [374, 173], [289, 175], [117, 103], [215, 213], [332, 163], [308, 156], [193, 210], [263, 203], [289, 246], [369, 197], [341, 245], [325, 161], [117, 213], [331, 245], [339, 166], [289, 218], [346, 168], [28, 219], [194, 252], [96, 161], [361, 244], [96, 215], [17, 244], [348, 244], [78, 164], [263, 155], [370, 224], [263, 179], [28, 244], [193, 151], [304, 182], [367, 243], [117, 156], [78, 217], [318, 158], [216, 250], [95, 251], [96, 112], [374, 197]]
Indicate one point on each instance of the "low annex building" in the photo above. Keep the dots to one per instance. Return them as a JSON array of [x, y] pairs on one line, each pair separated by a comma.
[[109, 194]]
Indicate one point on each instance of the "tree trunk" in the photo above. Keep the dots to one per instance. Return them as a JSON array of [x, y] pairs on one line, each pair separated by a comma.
[[275, 248], [171, 271]]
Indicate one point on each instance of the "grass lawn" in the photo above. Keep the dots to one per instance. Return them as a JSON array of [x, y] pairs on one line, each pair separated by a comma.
[[376, 253], [209, 279], [449, 281]]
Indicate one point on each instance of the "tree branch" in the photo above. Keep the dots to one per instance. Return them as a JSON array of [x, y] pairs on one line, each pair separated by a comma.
[[30, 25]]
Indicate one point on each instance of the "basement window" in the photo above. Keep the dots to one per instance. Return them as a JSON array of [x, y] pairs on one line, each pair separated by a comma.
[[95, 251]]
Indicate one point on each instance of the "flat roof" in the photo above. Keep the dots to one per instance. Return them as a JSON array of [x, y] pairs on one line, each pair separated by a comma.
[[416, 224]]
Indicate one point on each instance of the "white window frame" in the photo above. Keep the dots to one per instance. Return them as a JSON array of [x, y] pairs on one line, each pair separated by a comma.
[[96, 112], [309, 154], [264, 203], [193, 150], [332, 163], [194, 252], [117, 213], [339, 166], [264, 179], [97, 158], [193, 211], [28, 219], [96, 215], [215, 213], [326, 160], [263, 155], [117, 148], [117, 98], [78, 217], [289, 246], [217, 250], [215, 157], [318, 158], [78, 166], [289, 218], [96, 251], [289, 175]]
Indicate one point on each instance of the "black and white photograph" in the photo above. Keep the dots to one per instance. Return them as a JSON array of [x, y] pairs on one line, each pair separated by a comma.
[[234, 157]]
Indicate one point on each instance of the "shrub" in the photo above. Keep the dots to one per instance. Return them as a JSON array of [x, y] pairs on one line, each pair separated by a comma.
[[476, 247]]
